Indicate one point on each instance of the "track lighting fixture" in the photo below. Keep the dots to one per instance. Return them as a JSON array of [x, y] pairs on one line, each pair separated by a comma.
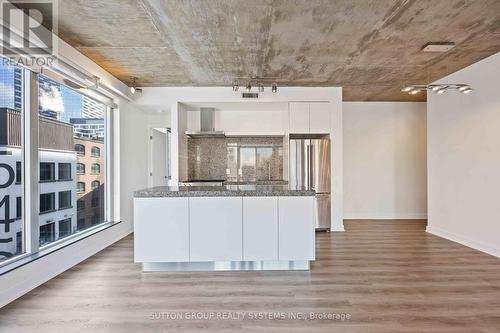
[[254, 82], [236, 86], [437, 88], [133, 88]]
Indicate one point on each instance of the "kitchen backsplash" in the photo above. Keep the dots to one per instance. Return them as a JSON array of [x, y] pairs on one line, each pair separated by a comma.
[[236, 158]]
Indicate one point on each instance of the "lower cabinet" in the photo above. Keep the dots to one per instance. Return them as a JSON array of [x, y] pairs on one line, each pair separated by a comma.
[[223, 229], [216, 229], [260, 228], [161, 229], [296, 228]]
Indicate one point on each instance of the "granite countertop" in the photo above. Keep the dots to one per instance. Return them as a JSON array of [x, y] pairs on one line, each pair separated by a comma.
[[222, 191]]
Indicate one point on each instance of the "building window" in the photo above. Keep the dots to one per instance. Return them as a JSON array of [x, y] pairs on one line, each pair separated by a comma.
[[80, 187], [80, 168], [80, 223], [47, 233], [47, 172], [95, 219], [47, 202], [19, 242], [19, 172], [80, 149], [95, 202], [95, 151], [64, 171], [96, 169], [64, 228], [80, 204], [95, 185], [19, 207], [64, 199]]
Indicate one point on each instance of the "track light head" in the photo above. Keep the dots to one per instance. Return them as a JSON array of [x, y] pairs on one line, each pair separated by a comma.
[[236, 86], [274, 88], [248, 88]]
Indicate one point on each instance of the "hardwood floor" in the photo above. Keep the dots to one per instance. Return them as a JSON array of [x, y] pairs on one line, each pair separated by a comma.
[[389, 276]]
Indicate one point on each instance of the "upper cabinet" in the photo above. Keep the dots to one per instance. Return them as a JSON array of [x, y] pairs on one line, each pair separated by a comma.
[[299, 117], [314, 118]]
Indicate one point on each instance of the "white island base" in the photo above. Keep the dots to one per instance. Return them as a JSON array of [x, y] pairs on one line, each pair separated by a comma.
[[224, 233]]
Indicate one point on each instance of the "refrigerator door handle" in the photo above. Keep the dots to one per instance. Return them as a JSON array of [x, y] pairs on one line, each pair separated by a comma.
[[313, 166]]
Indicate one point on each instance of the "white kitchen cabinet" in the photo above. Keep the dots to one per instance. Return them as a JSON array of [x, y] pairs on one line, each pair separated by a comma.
[[299, 117], [161, 229], [319, 118], [216, 228], [260, 228], [296, 228]]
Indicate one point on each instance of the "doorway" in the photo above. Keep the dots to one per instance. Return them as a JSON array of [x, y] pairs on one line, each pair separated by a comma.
[[159, 156]]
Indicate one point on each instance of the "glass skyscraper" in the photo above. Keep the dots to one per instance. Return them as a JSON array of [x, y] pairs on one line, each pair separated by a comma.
[[11, 88]]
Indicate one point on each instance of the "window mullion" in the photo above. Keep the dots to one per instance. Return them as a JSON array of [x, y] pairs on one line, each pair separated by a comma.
[[31, 165]]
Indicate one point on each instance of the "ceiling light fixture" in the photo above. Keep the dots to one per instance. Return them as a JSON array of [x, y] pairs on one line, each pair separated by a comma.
[[133, 88], [437, 88], [256, 82]]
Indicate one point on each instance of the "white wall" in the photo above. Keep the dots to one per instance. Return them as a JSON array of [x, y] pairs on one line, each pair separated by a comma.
[[385, 160], [135, 125], [464, 158]]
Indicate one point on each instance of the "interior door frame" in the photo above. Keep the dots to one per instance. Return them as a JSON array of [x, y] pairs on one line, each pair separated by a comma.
[[167, 154]]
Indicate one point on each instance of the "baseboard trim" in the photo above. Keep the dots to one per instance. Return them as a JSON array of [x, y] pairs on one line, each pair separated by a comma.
[[466, 241], [354, 216]]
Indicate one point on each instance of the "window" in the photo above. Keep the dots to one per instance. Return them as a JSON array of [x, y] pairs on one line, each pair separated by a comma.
[[47, 202], [96, 169], [80, 187], [47, 233], [80, 168], [19, 172], [47, 172], [80, 149], [69, 125], [95, 185], [80, 204], [12, 113], [64, 171], [64, 228], [95, 202], [64, 199], [95, 152], [19, 207]]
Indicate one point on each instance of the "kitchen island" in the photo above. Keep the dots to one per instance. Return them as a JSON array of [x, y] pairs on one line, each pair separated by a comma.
[[232, 227]]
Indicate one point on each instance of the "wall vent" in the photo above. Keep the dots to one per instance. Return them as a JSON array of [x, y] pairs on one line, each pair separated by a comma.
[[249, 95]]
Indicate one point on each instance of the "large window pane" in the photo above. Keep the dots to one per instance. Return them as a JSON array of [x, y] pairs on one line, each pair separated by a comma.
[[72, 133], [11, 167]]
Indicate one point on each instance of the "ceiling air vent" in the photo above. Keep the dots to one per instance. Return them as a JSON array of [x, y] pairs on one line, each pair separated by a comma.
[[438, 46], [249, 95]]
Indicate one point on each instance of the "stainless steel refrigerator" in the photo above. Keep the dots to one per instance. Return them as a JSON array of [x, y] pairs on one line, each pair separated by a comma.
[[310, 168]]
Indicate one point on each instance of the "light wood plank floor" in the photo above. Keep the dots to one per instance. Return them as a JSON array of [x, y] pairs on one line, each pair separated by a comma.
[[390, 276]]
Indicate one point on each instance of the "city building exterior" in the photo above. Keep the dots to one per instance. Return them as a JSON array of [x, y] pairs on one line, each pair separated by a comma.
[[92, 108], [11, 88], [57, 181], [90, 181], [89, 128]]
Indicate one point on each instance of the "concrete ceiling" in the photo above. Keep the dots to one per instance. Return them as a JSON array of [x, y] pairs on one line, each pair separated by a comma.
[[370, 47]]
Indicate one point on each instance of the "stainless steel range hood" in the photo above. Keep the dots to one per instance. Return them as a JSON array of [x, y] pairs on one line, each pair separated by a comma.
[[207, 125]]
